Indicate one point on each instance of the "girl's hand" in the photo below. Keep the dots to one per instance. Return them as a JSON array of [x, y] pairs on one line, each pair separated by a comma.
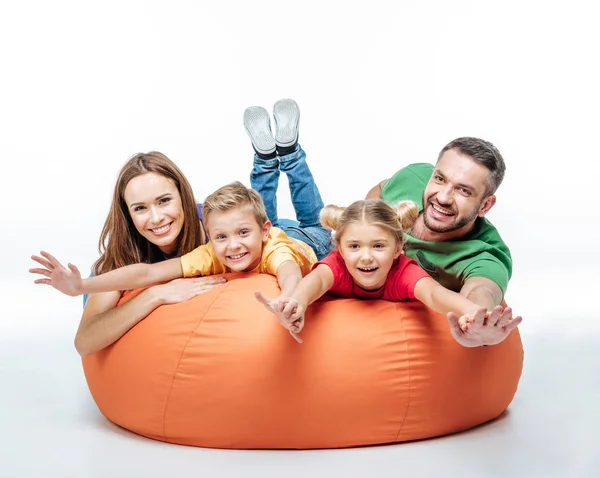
[[68, 281], [484, 327], [180, 290], [280, 306]]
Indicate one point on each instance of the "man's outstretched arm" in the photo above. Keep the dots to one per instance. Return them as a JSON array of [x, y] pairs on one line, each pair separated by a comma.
[[375, 192], [483, 291]]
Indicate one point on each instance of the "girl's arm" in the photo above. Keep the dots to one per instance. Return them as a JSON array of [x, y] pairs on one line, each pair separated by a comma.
[[314, 286], [103, 322], [290, 310], [442, 300], [68, 281]]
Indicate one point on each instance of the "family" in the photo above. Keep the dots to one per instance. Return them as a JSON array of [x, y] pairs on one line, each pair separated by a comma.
[[422, 234]]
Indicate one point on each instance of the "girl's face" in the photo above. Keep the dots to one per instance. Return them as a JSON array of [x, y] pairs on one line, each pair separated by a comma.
[[369, 252], [154, 204]]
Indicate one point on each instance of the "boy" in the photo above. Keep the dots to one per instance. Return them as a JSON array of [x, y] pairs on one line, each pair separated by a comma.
[[242, 239]]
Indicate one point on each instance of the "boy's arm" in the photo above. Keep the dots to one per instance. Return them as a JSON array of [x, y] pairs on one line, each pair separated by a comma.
[[134, 276], [288, 277], [291, 308], [68, 281]]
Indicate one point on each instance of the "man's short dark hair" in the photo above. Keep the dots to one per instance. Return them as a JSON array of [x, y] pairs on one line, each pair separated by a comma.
[[484, 153]]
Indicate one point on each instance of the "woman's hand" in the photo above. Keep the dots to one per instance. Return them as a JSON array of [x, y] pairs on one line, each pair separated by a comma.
[[180, 290], [68, 281], [286, 310], [484, 327]]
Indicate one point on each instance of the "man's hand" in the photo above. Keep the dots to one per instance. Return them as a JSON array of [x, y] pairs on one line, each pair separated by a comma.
[[68, 281], [286, 311], [483, 328]]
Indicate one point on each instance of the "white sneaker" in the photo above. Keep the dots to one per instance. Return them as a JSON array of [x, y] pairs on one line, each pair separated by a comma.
[[287, 120], [258, 127]]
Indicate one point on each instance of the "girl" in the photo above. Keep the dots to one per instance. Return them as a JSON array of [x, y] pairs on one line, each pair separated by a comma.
[[368, 263]]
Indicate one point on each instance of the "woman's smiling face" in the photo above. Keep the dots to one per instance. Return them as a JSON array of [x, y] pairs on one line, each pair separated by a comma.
[[155, 206]]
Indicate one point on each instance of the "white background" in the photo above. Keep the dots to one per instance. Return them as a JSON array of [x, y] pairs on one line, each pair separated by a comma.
[[84, 85]]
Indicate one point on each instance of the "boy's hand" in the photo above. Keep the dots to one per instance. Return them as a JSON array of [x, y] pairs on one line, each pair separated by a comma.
[[68, 281], [484, 327], [283, 308]]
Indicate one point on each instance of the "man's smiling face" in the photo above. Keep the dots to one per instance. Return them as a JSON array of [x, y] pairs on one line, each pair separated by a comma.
[[456, 194]]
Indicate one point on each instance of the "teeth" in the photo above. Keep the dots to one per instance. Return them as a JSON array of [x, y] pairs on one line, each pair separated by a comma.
[[441, 210], [237, 256], [367, 269], [160, 230]]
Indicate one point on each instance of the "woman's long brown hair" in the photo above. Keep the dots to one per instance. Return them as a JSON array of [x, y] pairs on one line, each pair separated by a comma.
[[120, 243]]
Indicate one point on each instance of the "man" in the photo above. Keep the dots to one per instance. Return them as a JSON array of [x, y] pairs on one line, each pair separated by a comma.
[[451, 239]]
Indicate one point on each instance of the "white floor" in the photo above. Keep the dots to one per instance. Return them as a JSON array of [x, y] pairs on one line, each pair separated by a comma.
[[51, 427]]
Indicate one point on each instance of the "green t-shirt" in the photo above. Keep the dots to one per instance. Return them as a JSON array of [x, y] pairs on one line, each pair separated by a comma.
[[481, 253]]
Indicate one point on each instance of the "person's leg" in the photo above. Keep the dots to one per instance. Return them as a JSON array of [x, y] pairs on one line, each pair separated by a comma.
[[292, 161], [264, 177], [305, 195], [317, 237]]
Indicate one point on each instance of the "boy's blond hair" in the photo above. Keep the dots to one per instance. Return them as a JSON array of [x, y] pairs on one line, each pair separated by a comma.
[[232, 196]]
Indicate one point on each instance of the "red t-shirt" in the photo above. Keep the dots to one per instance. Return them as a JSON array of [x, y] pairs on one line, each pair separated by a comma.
[[400, 283]]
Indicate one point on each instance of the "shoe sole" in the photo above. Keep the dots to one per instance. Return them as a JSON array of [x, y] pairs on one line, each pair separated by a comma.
[[258, 127], [287, 118]]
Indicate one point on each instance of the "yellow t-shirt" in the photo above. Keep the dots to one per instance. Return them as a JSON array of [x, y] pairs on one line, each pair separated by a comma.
[[278, 249]]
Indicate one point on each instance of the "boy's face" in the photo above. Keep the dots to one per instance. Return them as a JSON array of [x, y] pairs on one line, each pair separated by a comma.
[[237, 238]]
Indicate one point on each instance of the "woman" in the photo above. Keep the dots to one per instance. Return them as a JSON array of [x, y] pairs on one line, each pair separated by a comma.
[[153, 216]]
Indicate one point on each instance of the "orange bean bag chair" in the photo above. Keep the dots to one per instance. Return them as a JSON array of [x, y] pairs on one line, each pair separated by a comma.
[[219, 371]]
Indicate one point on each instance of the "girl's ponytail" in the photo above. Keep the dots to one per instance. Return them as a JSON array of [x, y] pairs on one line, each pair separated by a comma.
[[330, 216], [408, 212]]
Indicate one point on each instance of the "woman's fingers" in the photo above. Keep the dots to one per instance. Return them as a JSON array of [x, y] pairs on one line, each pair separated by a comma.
[[44, 272], [43, 262], [51, 258], [42, 281], [208, 286], [217, 280]]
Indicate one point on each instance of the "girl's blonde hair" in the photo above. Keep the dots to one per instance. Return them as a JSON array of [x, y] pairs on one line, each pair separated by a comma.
[[232, 196], [120, 243], [396, 219]]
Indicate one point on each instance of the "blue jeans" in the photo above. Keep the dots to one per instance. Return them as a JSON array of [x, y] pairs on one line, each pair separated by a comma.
[[306, 198]]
